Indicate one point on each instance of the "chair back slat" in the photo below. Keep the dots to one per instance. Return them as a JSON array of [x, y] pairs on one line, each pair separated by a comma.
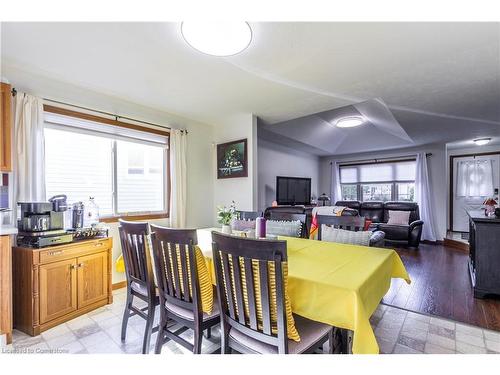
[[184, 267], [246, 286], [227, 280], [175, 262], [264, 297], [136, 255], [352, 223], [165, 281], [238, 288], [280, 309], [175, 268], [252, 307]]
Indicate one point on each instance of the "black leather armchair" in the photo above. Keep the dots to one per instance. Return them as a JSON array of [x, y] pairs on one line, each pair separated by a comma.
[[407, 234]]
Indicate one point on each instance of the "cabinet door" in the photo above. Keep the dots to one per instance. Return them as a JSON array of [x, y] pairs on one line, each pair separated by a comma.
[[92, 278], [5, 127], [57, 289]]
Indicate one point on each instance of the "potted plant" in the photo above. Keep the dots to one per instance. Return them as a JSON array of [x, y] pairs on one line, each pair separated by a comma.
[[225, 215]]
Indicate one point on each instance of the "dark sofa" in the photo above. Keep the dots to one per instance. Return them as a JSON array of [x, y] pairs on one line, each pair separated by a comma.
[[408, 235]]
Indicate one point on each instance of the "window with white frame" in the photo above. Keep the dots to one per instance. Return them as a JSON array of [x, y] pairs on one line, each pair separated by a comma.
[[380, 181], [124, 169]]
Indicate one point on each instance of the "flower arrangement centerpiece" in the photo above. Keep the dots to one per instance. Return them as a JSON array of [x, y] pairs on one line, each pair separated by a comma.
[[225, 215], [489, 204]]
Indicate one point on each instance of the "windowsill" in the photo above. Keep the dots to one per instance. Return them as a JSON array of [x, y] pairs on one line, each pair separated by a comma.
[[138, 217]]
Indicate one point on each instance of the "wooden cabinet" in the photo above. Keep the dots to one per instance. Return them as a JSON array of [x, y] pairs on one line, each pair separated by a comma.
[[53, 285], [6, 288], [5, 128]]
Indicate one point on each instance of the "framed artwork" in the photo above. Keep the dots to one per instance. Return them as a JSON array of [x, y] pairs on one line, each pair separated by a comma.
[[232, 159]]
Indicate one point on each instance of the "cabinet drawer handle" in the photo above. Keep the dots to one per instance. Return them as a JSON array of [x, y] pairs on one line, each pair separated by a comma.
[[73, 267], [58, 252], [80, 265], [99, 244]]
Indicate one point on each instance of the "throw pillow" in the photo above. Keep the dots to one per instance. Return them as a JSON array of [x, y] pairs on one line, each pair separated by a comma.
[[399, 217], [284, 228], [331, 234]]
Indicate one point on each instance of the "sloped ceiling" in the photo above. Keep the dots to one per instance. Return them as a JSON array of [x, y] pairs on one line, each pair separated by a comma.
[[438, 80]]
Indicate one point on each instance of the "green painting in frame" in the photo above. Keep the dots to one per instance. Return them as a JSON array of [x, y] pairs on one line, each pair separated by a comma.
[[232, 159]]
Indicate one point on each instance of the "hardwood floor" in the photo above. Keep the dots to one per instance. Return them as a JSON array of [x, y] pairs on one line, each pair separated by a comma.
[[441, 286]]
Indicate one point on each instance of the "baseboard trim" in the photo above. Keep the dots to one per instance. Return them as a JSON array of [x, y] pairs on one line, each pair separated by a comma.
[[437, 242], [457, 245], [119, 285]]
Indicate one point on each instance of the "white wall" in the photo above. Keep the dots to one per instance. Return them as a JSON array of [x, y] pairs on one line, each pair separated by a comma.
[[200, 176], [242, 190], [277, 160], [437, 176]]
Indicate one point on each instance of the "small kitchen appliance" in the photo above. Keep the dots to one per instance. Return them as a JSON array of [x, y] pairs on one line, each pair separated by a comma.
[[41, 224]]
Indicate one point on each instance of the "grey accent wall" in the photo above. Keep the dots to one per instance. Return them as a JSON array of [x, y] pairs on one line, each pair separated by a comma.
[[437, 176], [277, 160]]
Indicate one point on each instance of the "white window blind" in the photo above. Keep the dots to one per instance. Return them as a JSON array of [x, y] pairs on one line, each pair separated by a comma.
[[123, 169], [378, 172]]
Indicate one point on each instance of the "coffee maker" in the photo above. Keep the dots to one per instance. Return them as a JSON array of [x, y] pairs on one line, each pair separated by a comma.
[[42, 223]]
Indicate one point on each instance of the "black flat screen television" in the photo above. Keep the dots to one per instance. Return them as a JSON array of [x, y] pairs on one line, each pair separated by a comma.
[[293, 190]]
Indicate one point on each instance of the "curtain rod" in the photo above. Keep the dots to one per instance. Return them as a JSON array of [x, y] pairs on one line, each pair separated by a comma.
[[377, 160], [14, 93]]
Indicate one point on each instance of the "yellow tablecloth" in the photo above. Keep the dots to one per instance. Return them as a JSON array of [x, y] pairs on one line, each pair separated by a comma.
[[334, 283]]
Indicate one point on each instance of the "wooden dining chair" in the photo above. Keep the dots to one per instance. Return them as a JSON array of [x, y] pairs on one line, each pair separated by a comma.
[[285, 216], [352, 223], [248, 215], [248, 326], [179, 287], [140, 277]]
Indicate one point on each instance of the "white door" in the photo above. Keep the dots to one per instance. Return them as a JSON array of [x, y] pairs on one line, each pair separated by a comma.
[[469, 197]]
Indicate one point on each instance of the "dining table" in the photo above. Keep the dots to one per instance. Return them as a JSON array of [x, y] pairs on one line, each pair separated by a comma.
[[333, 283]]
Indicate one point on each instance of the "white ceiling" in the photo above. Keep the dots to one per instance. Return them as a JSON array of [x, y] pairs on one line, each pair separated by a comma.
[[438, 79]]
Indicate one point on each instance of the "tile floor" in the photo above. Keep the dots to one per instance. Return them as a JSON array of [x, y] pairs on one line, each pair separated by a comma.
[[404, 332], [397, 331]]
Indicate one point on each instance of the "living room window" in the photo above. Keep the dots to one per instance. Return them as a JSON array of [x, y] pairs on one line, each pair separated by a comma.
[[378, 181], [123, 168]]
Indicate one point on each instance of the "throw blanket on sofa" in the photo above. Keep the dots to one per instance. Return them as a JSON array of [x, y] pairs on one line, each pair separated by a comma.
[[325, 210]]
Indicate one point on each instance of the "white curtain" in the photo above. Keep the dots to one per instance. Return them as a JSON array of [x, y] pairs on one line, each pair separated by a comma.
[[475, 178], [423, 198], [29, 144], [178, 152], [337, 190]]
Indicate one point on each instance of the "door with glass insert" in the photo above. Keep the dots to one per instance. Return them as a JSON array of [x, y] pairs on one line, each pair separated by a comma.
[[475, 178]]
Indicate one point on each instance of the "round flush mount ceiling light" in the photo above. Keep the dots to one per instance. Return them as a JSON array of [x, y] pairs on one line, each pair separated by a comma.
[[349, 122], [482, 141], [216, 38]]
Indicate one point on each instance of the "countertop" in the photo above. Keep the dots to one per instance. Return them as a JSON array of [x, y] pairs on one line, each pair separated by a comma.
[[6, 230], [478, 215]]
